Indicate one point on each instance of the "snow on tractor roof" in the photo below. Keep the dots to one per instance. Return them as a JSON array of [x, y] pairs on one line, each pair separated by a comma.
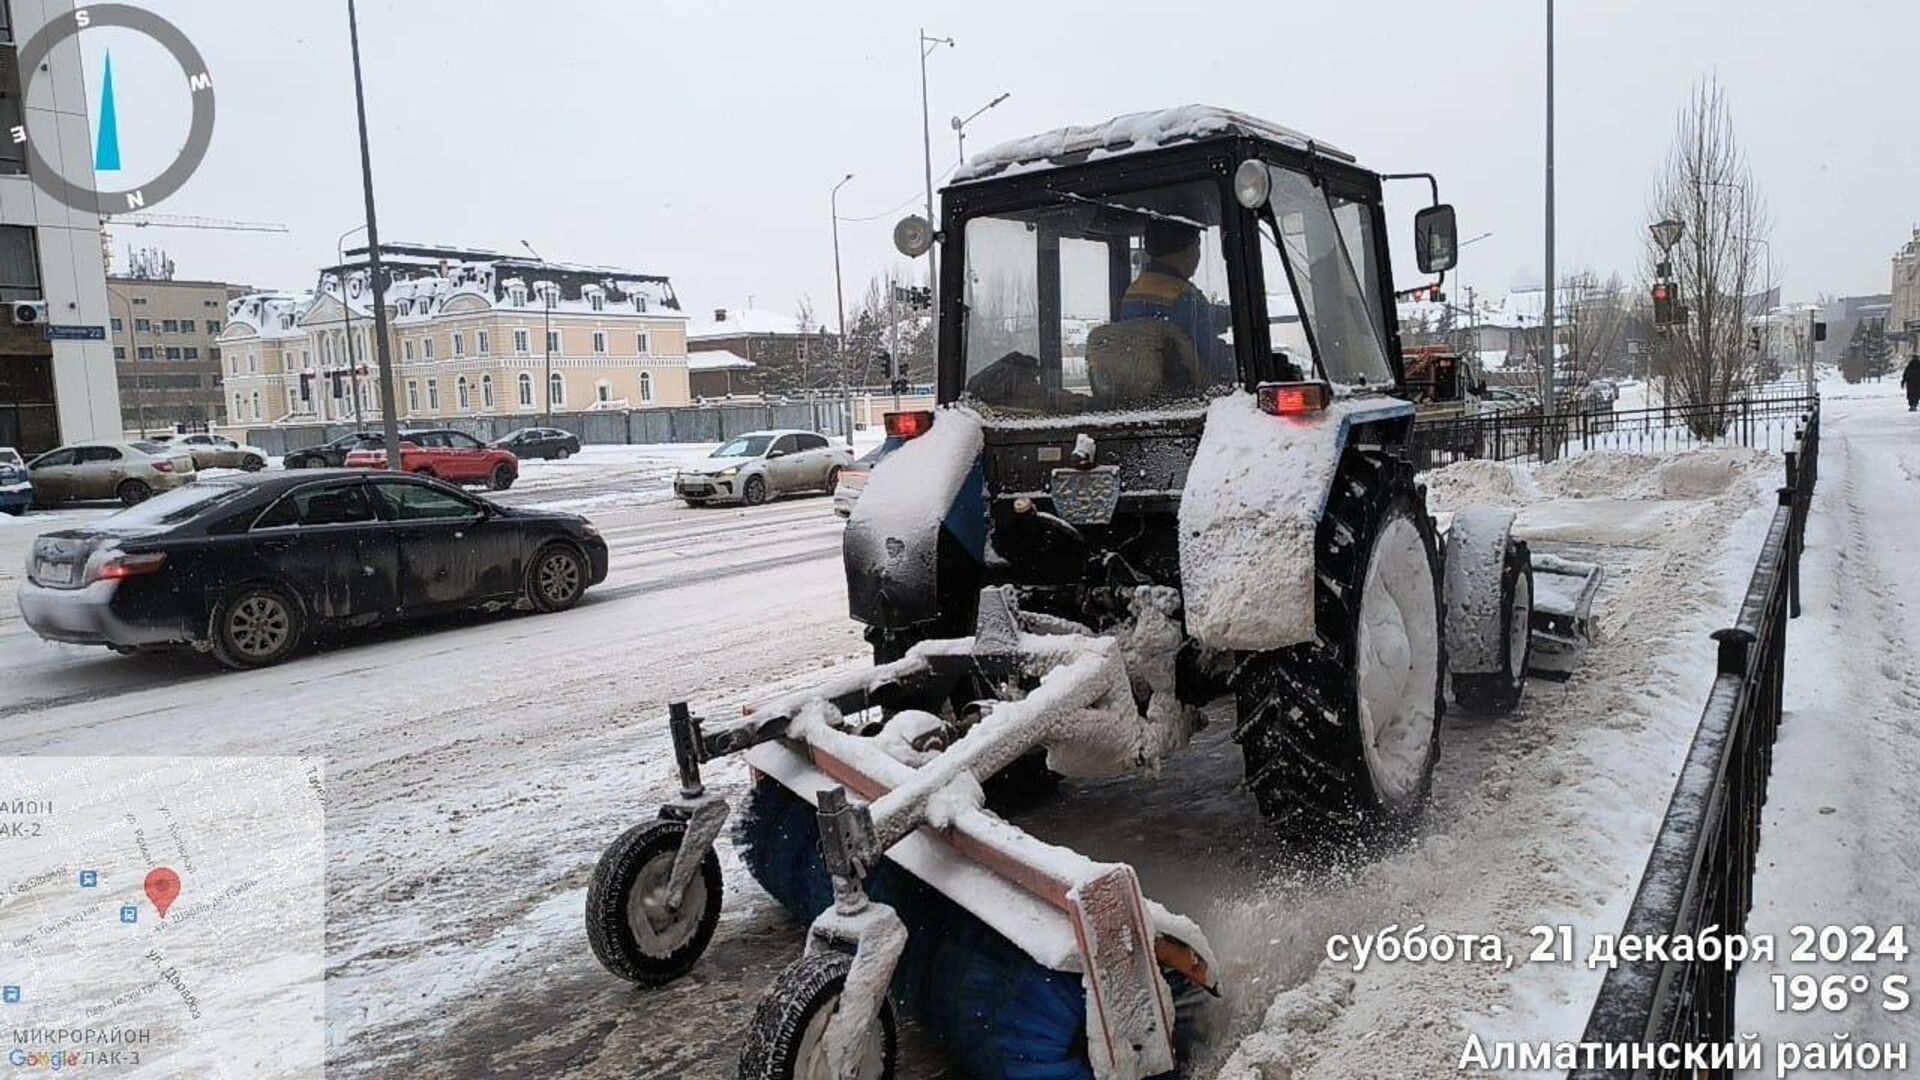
[[1133, 133]]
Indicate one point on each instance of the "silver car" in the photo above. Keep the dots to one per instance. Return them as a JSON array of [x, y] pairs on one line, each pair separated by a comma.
[[219, 452], [128, 471], [762, 465]]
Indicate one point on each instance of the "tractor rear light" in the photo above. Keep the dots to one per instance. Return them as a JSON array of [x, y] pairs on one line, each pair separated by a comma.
[[909, 425], [1293, 398], [126, 566]]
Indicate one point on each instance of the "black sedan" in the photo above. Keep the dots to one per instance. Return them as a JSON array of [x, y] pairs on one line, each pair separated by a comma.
[[333, 454], [247, 567], [539, 442]]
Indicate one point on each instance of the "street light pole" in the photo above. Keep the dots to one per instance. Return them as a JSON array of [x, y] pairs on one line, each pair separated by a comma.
[[1546, 361], [840, 302], [346, 316], [960, 126], [133, 338], [390, 421], [546, 329], [927, 45]]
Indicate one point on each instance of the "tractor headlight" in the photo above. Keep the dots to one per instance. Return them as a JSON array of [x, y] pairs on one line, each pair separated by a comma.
[[1251, 183]]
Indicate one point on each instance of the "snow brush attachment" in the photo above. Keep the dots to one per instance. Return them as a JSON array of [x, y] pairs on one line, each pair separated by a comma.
[[990, 1005]]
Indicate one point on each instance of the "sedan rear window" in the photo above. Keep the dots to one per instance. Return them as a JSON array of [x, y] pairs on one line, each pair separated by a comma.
[[149, 447], [177, 506], [337, 504]]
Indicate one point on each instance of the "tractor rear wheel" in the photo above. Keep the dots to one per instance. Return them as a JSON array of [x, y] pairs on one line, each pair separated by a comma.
[[1340, 734]]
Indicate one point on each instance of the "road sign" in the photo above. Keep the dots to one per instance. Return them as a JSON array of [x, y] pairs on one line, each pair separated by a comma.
[[58, 332]]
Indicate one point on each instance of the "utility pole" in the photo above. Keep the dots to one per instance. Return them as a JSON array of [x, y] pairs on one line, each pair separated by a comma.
[[893, 338], [546, 328], [346, 317], [133, 341], [1546, 358], [927, 45], [840, 302], [390, 421]]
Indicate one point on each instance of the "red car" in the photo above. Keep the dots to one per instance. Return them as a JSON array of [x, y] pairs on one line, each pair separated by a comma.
[[453, 456]]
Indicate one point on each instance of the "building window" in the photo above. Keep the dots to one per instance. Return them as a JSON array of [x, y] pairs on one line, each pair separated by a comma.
[[236, 407], [253, 363], [520, 343], [639, 302], [556, 389], [145, 352], [19, 265], [596, 301], [460, 394], [257, 414], [603, 390], [170, 326], [526, 389], [433, 395], [118, 326], [360, 391], [600, 342], [483, 343], [306, 359], [553, 341], [645, 346], [646, 386], [173, 353], [119, 352], [213, 326], [406, 350], [413, 395], [143, 326], [293, 400], [426, 348], [459, 344], [517, 295], [486, 391]]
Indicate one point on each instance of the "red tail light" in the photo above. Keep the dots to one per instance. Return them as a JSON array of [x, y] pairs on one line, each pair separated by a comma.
[[909, 425], [1293, 399], [162, 465], [126, 566]]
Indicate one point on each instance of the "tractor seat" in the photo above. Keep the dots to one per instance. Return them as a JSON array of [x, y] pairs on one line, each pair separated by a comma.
[[1139, 361]]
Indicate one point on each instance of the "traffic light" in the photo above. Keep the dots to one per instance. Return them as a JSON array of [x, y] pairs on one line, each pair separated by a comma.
[[1819, 331], [1665, 311], [1753, 338]]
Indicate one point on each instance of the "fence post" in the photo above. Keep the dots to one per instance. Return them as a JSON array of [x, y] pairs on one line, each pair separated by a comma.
[[1734, 644]]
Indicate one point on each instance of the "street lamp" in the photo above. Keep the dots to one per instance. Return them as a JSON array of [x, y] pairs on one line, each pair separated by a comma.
[[927, 45], [840, 302], [133, 341], [546, 329], [390, 425], [960, 126], [1546, 387], [1667, 233], [346, 316]]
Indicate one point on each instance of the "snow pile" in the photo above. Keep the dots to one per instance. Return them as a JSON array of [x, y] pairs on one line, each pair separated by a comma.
[[1471, 483], [1248, 515]]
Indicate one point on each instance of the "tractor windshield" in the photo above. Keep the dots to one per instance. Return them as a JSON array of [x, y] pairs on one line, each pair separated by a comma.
[[1323, 283], [1108, 303]]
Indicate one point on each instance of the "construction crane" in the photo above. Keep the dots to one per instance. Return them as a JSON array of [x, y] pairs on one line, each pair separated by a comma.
[[174, 221]]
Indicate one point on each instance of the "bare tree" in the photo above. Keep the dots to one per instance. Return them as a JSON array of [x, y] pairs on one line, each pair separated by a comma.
[[1597, 314], [1707, 186]]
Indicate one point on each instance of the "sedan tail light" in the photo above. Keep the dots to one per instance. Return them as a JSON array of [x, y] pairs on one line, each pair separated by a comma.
[[909, 425], [162, 465], [126, 566]]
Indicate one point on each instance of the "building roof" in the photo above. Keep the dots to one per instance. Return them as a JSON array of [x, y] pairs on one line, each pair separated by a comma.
[[716, 360], [1133, 133], [742, 322]]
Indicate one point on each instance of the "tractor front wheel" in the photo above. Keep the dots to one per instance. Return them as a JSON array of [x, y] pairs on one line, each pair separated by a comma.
[[1340, 734], [788, 1039]]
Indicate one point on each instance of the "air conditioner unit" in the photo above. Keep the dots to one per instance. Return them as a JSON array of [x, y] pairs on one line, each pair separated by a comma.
[[29, 311]]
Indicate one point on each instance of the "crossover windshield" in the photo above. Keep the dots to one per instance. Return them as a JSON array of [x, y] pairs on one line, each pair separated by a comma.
[[1099, 304]]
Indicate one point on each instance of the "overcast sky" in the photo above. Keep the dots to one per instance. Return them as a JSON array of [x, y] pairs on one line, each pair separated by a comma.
[[701, 140]]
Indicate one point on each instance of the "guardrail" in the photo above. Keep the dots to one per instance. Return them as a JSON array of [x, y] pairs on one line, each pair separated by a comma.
[[1699, 874], [1761, 422]]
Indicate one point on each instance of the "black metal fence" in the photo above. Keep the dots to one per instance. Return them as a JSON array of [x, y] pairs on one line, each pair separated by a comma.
[[1700, 873], [1767, 422]]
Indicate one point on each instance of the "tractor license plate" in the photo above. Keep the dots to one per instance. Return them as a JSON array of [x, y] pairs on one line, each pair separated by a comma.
[[1086, 496]]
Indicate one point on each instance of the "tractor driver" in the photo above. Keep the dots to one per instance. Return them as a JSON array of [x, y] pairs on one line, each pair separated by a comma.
[[1165, 290]]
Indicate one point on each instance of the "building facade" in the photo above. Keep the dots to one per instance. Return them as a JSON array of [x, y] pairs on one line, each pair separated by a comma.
[[789, 354], [166, 349], [1903, 320], [51, 391], [471, 333]]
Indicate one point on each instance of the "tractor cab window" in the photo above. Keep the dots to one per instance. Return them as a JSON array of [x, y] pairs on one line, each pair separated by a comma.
[[1107, 303], [1322, 284]]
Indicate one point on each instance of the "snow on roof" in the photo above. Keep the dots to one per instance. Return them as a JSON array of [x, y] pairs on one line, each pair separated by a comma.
[[1133, 133], [728, 322], [716, 360], [271, 314]]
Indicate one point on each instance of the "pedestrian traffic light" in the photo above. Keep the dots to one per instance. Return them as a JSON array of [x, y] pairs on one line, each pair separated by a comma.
[[1663, 305]]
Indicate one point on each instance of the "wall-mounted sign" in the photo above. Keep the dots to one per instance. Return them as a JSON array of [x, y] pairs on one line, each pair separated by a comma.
[[57, 332]]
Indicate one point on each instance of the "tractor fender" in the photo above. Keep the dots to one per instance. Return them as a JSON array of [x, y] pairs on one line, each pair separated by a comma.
[[932, 486], [1476, 559], [1249, 513]]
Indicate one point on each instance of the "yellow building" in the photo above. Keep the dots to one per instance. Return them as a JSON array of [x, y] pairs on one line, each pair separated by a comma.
[[472, 334]]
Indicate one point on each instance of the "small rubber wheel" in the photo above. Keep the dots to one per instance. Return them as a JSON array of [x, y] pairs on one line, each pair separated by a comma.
[[556, 577], [833, 479], [788, 1038], [1499, 691], [253, 464], [634, 929], [755, 492], [255, 627], [502, 477], [563, 453], [133, 492]]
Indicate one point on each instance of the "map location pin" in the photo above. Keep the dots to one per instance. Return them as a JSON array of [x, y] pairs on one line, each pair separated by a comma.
[[163, 887]]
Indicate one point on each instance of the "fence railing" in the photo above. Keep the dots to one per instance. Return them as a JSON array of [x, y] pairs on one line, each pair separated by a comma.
[[1699, 875], [1529, 435]]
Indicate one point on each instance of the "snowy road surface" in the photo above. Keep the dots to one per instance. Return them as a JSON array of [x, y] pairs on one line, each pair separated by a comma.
[[477, 767]]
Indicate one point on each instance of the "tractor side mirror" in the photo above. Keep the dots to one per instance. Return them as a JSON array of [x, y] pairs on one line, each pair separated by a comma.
[[1436, 239]]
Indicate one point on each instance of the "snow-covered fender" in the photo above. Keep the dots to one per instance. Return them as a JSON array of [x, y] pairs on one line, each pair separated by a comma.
[[1249, 513], [1476, 561], [931, 486]]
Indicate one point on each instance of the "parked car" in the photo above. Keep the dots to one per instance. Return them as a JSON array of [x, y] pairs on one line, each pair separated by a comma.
[[330, 455], [539, 442], [16, 485], [762, 465], [853, 478], [248, 567], [128, 471], [453, 456], [219, 452]]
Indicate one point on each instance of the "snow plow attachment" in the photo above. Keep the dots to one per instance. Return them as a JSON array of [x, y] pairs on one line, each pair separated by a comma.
[[1562, 614], [1016, 953]]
